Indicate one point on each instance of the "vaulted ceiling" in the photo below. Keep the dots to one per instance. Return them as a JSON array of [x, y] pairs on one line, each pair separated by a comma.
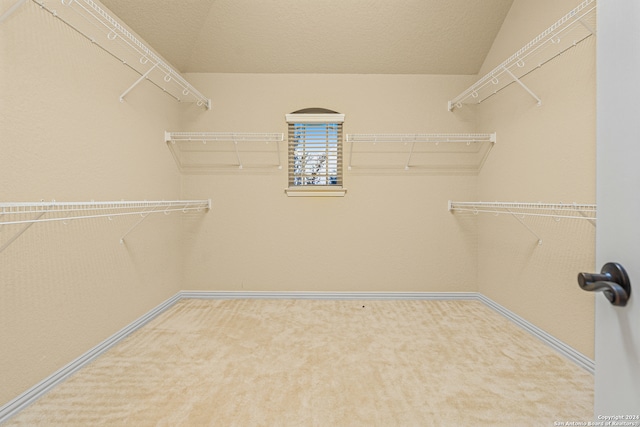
[[318, 36]]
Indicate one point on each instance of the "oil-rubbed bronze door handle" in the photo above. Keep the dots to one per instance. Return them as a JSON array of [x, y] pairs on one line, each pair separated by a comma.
[[613, 281]]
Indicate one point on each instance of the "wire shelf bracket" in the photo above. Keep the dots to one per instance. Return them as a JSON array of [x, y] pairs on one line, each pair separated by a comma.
[[523, 86], [94, 23], [20, 232], [413, 142], [186, 146], [521, 221], [519, 211], [142, 77], [567, 32], [30, 213], [11, 10]]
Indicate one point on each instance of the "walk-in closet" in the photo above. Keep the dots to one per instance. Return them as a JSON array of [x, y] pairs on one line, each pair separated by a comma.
[[299, 213]]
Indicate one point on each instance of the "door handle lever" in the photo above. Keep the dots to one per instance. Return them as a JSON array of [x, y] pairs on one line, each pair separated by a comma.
[[613, 281]]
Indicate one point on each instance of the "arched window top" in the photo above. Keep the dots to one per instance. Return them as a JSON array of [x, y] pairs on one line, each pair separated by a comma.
[[315, 110], [315, 115]]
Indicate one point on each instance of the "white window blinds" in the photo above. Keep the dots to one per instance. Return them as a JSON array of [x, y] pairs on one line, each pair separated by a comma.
[[315, 150]]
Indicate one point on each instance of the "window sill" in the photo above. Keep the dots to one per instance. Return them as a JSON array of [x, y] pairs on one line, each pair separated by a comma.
[[308, 191]]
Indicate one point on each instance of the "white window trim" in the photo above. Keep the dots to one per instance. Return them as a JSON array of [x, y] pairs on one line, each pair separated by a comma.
[[311, 191], [315, 192], [315, 118]]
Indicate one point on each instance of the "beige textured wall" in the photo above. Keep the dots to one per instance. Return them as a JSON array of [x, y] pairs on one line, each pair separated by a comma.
[[391, 232], [65, 136], [544, 154]]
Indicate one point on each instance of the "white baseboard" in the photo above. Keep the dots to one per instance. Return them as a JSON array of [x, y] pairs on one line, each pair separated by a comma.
[[37, 391], [330, 295], [562, 348]]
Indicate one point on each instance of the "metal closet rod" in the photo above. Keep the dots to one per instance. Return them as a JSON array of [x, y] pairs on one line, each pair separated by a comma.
[[550, 35], [100, 18]]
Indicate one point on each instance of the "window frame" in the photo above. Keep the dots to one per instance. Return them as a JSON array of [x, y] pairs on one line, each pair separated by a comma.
[[316, 190]]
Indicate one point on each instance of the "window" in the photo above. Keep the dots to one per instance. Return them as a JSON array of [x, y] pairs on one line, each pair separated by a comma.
[[315, 152]]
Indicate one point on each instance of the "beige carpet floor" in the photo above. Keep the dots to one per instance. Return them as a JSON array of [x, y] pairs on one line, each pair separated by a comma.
[[322, 363]]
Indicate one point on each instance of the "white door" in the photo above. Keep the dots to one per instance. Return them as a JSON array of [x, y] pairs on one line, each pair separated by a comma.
[[617, 344]]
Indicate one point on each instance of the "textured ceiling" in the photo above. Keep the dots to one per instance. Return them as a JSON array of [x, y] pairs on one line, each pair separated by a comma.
[[318, 36]]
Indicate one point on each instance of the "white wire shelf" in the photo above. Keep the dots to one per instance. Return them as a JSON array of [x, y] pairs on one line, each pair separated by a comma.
[[94, 23], [78, 210], [435, 138], [223, 136], [193, 152], [29, 213], [519, 211], [567, 32], [553, 210], [436, 151]]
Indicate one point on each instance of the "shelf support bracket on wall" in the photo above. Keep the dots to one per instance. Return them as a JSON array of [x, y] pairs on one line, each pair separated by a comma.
[[591, 220], [406, 167], [529, 91], [278, 154], [19, 233], [350, 153], [12, 9], [587, 26], [526, 226], [137, 82], [235, 145], [144, 216]]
